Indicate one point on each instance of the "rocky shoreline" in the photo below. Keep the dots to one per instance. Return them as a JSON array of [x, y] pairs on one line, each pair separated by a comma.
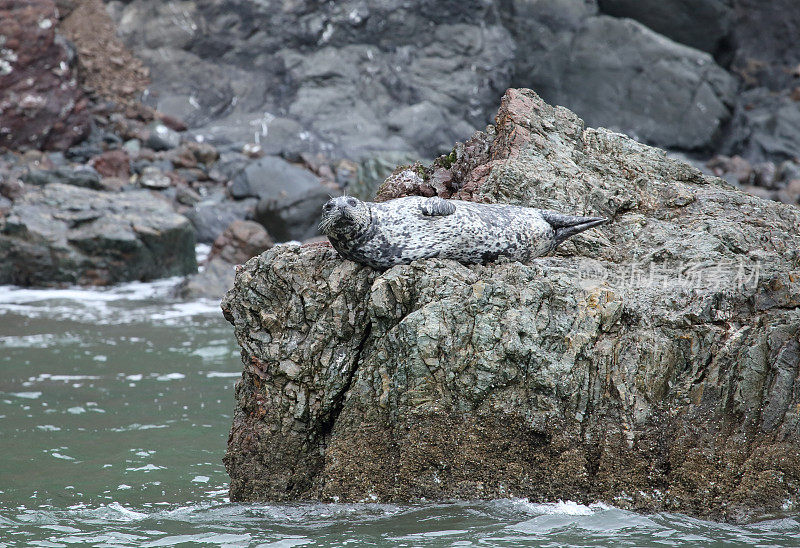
[[91, 100]]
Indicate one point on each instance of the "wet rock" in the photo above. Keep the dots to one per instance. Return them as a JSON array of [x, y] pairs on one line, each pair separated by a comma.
[[204, 153], [309, 78], [735, 170], [211, 216], [83, 176], [652, 363], [767, 50], [212, 282], [42, 105], [271, 177], [63, 234], [703, 24]]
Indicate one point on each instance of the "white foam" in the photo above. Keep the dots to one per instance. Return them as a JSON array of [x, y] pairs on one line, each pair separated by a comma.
[[223, 374], [26, 395], [171, 377]]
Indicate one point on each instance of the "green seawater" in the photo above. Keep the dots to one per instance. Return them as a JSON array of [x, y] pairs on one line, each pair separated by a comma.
[[114, 413]]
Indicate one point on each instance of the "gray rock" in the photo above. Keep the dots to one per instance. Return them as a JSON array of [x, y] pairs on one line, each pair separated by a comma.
[[765, 127], [272, 177], [290, 197], [153, 178], [211, 283], [651, 364], [701, 24], [83, 176], [63, 234], [321, 77], [767, 50], [213, 215], [619, 74], [161, 137]]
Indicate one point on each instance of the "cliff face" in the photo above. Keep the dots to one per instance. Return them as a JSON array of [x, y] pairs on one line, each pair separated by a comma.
[[652, 363]]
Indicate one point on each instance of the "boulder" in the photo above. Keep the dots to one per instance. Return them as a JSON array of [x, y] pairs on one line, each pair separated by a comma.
[[652, 363], [620, 74], [290, 197], [240, 241], [42, 106], [765, 127], [63, 234], [213, 215], [211, 282], [83, 176], [701, 24]]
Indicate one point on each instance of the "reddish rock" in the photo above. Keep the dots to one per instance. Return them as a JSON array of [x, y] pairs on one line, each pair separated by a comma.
[[41, 104], [240, 241], [462, 173], [113, 163]]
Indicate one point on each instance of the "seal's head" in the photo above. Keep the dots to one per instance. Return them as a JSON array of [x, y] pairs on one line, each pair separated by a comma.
[[345, 216]]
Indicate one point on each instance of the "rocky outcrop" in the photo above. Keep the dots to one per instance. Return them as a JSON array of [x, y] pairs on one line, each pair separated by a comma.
[[652, 363], [701, 24], [63, 234], [355, 80], [41, 105]]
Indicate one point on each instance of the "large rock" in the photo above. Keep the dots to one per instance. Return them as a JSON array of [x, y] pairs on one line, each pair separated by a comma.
[[41, 105], [768, 51], [701, 24], [765, 127], [290, 197], [213, 215], [310, 76], [619, 74], [63, 234], [652, 364]]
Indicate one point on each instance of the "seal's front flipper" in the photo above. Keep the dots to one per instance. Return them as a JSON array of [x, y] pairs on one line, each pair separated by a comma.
[[437, 207], [569, 225]]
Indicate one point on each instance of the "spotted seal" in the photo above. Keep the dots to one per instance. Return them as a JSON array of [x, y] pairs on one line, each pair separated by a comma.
[[382, 235]]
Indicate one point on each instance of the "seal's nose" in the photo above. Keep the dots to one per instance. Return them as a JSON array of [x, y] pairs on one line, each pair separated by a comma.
[[327, 207]]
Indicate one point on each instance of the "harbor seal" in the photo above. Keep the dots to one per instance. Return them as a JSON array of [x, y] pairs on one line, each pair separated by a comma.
[[382, 235]]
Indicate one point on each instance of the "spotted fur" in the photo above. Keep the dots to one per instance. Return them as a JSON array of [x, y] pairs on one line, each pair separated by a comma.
[[382, 235]]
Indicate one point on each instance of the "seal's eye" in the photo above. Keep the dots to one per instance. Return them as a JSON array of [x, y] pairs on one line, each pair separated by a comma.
[[351, 202]]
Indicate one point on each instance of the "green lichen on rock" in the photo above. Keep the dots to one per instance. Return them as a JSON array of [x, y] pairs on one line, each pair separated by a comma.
[[651, 363]]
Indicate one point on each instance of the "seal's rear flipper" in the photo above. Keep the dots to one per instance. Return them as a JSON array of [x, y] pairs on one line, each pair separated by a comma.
[[437, 207], [568, 225]]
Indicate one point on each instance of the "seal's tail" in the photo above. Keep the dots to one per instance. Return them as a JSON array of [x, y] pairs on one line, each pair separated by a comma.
[[568, 225]]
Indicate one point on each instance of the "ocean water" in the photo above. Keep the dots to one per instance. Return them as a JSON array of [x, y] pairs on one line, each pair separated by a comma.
[[115, 406]]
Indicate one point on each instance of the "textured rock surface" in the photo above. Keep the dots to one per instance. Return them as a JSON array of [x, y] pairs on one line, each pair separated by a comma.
[[653, 363], [41, 105], [353, 79], [620, 74], [64, 234], [701, 24]]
